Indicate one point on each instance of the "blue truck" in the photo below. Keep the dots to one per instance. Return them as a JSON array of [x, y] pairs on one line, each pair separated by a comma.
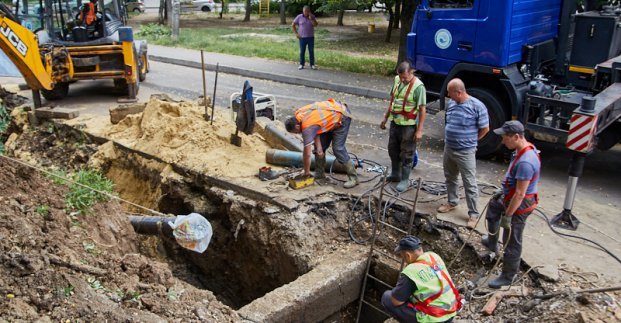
[[530, 60], [538, 61]]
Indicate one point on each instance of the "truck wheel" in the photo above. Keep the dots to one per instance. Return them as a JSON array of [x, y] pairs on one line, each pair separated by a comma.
[[59, 91], [491, 143], [143, 66]]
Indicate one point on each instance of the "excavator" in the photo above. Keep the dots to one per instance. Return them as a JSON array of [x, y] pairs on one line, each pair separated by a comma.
[[52, 46]]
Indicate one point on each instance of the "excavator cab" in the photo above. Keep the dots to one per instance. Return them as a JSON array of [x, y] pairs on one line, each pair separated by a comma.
[[52, 47]]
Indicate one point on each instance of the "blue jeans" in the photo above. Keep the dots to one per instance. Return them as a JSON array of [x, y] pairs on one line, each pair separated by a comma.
[[337, 137], [310, 42]]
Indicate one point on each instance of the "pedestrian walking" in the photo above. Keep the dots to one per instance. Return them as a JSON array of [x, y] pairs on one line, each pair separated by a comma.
[[304, 29], [518, 199], [406, 113], [323, 123], [467, 121], [424, 292]]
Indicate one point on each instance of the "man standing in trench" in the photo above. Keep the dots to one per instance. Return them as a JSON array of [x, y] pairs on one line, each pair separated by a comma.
[[466, 122], [406, 113], [323, 123], [425, 291], [518, 199]]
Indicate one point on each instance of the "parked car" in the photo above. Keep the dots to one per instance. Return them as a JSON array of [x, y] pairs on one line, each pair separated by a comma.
[[204, 5], [134, 5]]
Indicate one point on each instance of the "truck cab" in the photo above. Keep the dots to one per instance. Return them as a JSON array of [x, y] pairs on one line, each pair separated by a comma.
[[505, 50]]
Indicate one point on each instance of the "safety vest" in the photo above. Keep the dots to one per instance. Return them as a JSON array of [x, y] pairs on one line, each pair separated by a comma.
[[404, 108], [512, 189], [326, 114], [435, 299], [91, 14]]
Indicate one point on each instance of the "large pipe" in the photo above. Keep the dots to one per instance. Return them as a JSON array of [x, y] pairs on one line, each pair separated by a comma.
[[279, 138], [152, 225], [294, 158]]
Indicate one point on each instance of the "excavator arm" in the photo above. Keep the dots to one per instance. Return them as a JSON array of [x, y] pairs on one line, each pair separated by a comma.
[[22, 48]]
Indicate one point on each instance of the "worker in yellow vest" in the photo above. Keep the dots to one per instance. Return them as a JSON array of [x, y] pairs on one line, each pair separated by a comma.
[[321, 124], [88, 15], [406, 113], [425, 291]]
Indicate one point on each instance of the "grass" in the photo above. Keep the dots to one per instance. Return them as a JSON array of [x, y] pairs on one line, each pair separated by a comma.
[[5, 120], [331, 51], [80, 199]]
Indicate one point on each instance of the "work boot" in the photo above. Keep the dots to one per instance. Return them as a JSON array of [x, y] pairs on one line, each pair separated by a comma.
[[405, 178], [320, 167], [508, 274], [352, 176], [490, 241], [395, 172]]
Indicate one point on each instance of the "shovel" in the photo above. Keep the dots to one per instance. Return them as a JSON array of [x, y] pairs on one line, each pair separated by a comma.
[[235, 139]]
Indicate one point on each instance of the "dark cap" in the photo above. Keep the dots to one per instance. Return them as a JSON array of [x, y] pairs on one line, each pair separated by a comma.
[[408, 243], [512, 126]]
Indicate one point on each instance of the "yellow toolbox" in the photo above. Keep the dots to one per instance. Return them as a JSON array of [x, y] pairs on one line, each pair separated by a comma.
[[301, 181]]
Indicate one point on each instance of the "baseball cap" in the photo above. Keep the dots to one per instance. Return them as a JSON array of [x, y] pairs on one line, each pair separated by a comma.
[[408, 243], [511, 126]]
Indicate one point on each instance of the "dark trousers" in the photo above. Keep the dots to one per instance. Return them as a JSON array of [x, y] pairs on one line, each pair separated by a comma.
[[310, 42], [402, 313], [402, 144], [337, 137], [513, 250]]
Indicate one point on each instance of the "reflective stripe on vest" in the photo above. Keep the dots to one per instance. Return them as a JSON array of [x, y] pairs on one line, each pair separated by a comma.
[[327, 115], [429, 298], [505, 183], [408, 115]]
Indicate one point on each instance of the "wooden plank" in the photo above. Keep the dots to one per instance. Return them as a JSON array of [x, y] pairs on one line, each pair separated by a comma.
[[56, 113]]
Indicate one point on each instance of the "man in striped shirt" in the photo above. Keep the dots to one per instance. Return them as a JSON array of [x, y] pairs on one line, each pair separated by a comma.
[[467, 121]]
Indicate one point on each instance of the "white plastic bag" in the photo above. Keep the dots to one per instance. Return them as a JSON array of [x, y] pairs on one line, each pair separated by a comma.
[[192, 232]]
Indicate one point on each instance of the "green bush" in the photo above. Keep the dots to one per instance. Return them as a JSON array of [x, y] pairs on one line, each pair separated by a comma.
[[5, 120], [155, 31], [80, 198]]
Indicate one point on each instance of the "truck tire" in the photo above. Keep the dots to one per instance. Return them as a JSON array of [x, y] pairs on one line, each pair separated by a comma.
[[491, 143], [143, 66], [59, 91]]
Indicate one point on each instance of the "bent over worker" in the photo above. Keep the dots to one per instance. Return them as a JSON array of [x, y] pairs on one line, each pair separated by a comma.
[[518, 199], [406, 113], [425, 291], [323, 123]]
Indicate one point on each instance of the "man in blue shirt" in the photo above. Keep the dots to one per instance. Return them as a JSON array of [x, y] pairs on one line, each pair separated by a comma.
[[467, 121], [517, 201]]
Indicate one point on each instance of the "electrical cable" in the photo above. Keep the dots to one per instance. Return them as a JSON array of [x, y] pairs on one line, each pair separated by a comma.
[[576, 237]]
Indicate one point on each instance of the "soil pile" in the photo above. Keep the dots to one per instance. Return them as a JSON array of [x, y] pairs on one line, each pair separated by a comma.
[[178, 133], [55, 266], [10, 99]]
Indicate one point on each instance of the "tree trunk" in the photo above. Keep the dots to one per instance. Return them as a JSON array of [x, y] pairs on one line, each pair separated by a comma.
[[339, 19], [395, 24], [162, 12], [283, 15], [248, 9], [391, 21], [222, 8], [407, 15]]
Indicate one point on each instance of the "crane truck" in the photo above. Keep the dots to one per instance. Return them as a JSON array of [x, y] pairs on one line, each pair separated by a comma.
[[541, 62], [52, 47]]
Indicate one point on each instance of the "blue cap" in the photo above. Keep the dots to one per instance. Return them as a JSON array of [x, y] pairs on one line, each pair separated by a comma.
[[408, 243]]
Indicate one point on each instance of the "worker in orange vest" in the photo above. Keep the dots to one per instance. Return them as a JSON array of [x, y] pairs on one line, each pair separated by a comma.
[[89, 13], [323, 123]]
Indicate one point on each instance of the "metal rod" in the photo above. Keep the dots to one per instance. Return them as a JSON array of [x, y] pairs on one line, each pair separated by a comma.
[[204, 86], [398, 198], [370, 257], [389, 256], [419, 183], [393, 227], [380, 281], [375, 307], [213, 99]]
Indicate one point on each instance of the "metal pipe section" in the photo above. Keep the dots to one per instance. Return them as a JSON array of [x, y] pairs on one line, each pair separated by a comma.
[[570, 193], [277, 137], [152, 225], [294, 158]]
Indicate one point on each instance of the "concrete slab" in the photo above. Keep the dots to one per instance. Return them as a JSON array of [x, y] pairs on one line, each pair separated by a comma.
[[56, 113], [326, 289]]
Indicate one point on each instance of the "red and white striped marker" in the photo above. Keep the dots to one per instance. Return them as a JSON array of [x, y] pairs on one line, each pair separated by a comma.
[[581, 132]]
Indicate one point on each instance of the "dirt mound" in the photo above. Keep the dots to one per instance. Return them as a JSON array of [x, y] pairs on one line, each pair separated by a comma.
[[10, 99], [55, 266], [178, 133]]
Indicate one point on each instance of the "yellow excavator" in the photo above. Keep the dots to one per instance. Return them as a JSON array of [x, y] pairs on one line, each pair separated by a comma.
[[52, 45]]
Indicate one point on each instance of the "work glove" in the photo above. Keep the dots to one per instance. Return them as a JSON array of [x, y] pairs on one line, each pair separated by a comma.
[[505, 222], [497, 194]]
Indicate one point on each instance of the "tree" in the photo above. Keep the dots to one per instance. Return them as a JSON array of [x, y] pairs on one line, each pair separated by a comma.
[[283, 14], [395, 24], [407, 16], [248, 10], [163, 12]]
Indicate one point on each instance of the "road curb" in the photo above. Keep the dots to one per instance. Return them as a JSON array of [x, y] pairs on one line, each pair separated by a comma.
[[370, 93]]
